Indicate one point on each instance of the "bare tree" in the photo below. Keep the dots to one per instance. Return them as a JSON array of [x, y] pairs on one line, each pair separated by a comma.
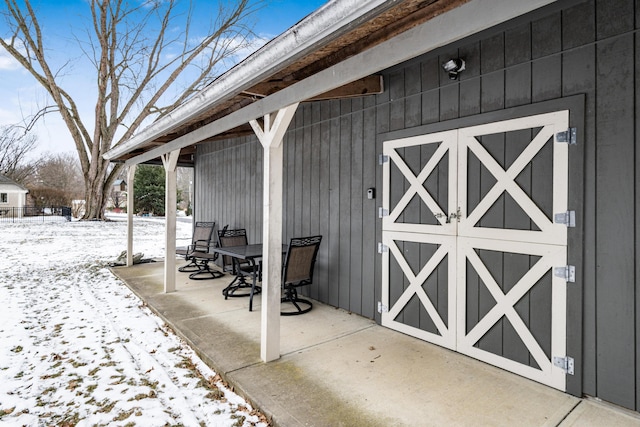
[[62, 172], [131, 44], [15, 145]]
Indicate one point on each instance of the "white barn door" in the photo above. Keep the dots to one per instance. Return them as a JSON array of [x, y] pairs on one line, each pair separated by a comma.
[[470, 243]]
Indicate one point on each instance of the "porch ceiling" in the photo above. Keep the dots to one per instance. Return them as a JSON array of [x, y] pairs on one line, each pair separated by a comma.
[[385, 22]]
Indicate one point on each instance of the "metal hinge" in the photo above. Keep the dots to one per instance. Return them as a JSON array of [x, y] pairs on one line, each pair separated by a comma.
[[382, 212], [568, 273], [567, 218], [382, 248], [569, 136], [565, 363], [382, 159], [382, 308]]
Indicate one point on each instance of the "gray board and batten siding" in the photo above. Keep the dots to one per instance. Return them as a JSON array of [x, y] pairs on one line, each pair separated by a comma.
[[574, 55]]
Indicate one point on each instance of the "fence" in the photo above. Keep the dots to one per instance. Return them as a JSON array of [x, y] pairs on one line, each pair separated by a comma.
[[34, 214]]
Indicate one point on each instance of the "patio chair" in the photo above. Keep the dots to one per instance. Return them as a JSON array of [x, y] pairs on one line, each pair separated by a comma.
[[200, 241], [203, 257], [240, 267], [298, 271]]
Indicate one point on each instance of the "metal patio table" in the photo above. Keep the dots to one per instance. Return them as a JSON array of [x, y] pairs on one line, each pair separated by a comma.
[[252, 254]]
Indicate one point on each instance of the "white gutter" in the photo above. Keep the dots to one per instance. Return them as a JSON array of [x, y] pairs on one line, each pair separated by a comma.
[[329, 22]]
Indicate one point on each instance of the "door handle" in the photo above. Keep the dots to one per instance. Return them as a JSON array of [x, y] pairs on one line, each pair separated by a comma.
[[450, 217]]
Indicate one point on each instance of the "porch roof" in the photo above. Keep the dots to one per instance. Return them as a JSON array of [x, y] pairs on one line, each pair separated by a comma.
[[337, 31], [326, 55]]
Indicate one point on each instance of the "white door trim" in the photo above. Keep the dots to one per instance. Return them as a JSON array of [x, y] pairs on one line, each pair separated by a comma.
[[447, 249], [458, 240]]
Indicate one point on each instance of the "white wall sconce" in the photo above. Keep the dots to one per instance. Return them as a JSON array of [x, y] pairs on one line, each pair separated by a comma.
[[454, 67]]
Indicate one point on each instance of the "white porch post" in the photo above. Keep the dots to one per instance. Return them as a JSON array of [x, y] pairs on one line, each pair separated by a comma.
[[270, 136], [130, 175], [170, 161]]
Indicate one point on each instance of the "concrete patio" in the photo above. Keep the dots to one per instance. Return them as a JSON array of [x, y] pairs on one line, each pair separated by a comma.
[[339, 369]]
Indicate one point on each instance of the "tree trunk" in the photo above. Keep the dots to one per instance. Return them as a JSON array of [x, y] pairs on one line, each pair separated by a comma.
[[94, 199], [97, 185], [92, 208]]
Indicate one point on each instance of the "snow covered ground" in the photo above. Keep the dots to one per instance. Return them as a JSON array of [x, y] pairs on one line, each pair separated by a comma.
[[78, 348]]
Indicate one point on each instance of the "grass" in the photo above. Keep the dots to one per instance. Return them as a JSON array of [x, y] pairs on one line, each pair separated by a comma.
[[75, 387]]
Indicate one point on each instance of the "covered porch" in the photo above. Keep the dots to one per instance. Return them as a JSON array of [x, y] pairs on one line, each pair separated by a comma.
[[335, 54], [340, 369], [296, 140]]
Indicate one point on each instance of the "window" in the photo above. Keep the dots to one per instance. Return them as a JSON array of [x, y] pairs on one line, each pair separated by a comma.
[[4, 198]]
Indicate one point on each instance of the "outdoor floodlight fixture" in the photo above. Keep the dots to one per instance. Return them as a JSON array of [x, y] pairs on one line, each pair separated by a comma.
[[454, 67]]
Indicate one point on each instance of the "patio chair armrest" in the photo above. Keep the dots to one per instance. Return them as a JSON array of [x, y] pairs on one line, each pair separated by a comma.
[[199, 245], [213, 245]]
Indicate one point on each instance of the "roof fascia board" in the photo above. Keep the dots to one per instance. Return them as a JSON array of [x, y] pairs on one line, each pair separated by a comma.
[[12, 190], [477, 15], [326, 23]]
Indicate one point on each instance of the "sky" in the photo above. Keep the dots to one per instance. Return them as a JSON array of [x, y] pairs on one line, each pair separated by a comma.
[[63, 23]]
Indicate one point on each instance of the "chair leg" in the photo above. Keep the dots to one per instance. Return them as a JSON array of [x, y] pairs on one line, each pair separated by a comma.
[[193, 266], [205, 272], [234, 289], [291, 296], [256, 275]]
